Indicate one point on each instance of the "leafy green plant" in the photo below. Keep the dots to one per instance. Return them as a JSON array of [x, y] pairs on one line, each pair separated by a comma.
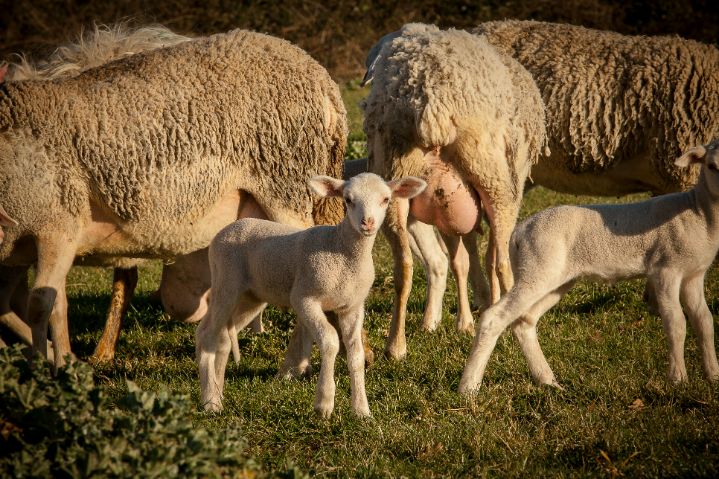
[[63, 426]]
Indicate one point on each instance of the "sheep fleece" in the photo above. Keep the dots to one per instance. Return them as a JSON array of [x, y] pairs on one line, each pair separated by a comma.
[[158, 137], [609, 96]]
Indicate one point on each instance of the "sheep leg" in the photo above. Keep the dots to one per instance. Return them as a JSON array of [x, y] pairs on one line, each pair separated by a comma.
[[490, 264], [18, 300], [426, 247], [692, 296], [351, 328], [667, 287], [395, 228], [459, 261], [211, 339], [325, 335], [525, 330], [124, 282], [480, 287], [54, 261], [297, 358], [491, 324]]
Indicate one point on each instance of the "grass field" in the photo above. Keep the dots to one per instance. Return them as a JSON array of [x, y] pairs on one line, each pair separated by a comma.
[[616, 415]]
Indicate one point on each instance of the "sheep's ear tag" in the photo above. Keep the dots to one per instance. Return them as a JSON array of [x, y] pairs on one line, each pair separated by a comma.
[[3, 72], [326, 185], [693, 155], [5, 219]]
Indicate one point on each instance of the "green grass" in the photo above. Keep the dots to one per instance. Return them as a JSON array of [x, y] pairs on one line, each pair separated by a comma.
[[604, 346]]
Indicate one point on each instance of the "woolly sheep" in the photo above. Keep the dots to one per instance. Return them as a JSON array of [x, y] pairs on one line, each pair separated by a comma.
[[321, 269], [447, 102], [619, 108], [132, 158], [671, 240], [100, 45]]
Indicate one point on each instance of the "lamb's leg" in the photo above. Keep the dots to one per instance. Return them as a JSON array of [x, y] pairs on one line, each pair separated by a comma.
[[395, 228], [692, 296], [429, 251], [459, 261], [525, 330], [315, 322], [480, 287], [491, 324], [124, 282], [297, 358], [666, 286], [212, 339], [47, 301], [490, 265], [351, 326]]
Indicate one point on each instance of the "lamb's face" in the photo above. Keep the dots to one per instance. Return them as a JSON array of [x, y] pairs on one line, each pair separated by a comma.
[[709, 156], [367, 197]]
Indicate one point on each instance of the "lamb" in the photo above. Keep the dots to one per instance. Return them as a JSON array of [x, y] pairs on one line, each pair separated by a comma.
[[619, 108], [447, 106], [132, 159], [671, 240], [325, 268]]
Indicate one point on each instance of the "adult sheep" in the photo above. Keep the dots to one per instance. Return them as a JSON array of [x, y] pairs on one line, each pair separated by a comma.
[[619, 108], [93, 48], [151, 155], [448, 107]]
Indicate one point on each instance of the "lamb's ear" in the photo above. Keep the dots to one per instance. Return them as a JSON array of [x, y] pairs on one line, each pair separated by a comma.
[[5, 219], [692, 155], [407, 187], [326, 185], [3, 72]]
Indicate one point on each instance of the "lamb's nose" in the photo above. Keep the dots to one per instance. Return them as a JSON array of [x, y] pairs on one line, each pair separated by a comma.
[[368, 222]]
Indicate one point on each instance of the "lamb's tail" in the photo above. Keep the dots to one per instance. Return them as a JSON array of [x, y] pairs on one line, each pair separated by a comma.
[[102, 44]]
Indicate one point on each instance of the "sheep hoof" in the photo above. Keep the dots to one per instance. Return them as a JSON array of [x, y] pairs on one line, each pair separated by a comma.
[[324, 410], [395, 354], [213, 406]]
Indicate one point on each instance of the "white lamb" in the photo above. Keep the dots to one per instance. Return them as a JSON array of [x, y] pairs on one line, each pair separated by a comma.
[[316, 270], [670, 239]]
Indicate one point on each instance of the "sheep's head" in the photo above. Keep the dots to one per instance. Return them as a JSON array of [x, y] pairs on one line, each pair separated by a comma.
[[367, 196], [708, 155]]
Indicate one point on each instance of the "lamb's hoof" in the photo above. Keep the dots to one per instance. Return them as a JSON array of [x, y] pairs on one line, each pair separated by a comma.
[[363, 412], [555, 385], [395, 354], [467, 389], [286, 374], [466, 329], [213, 406], [324, 411], [677, 379]]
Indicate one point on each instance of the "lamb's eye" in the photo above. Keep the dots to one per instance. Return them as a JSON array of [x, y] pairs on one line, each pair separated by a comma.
[[385, 202], [348, 201]]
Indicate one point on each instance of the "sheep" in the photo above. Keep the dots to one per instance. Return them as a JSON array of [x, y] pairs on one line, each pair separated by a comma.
[[619, 108], [324, 268], [99, 46], [671, 240], [152, 154], [447, 106]]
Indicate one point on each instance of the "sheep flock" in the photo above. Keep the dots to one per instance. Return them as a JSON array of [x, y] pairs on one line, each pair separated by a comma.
[[222, 157]]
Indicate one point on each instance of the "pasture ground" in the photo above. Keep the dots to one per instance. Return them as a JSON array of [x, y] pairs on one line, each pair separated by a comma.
[[616, 415]]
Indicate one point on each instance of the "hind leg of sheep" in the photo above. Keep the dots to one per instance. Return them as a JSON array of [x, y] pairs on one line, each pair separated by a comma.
[[525, 330], [692, 296], [55, 258], [316, 323], [210, 337], [395, 228], [491, 325], [297, 358], [426, 247], [480, 287], [123, 287], [351, 328], [459, 261], [666, 286]]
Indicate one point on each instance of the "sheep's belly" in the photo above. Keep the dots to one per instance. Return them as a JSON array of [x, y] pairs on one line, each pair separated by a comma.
[[448, 202]]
